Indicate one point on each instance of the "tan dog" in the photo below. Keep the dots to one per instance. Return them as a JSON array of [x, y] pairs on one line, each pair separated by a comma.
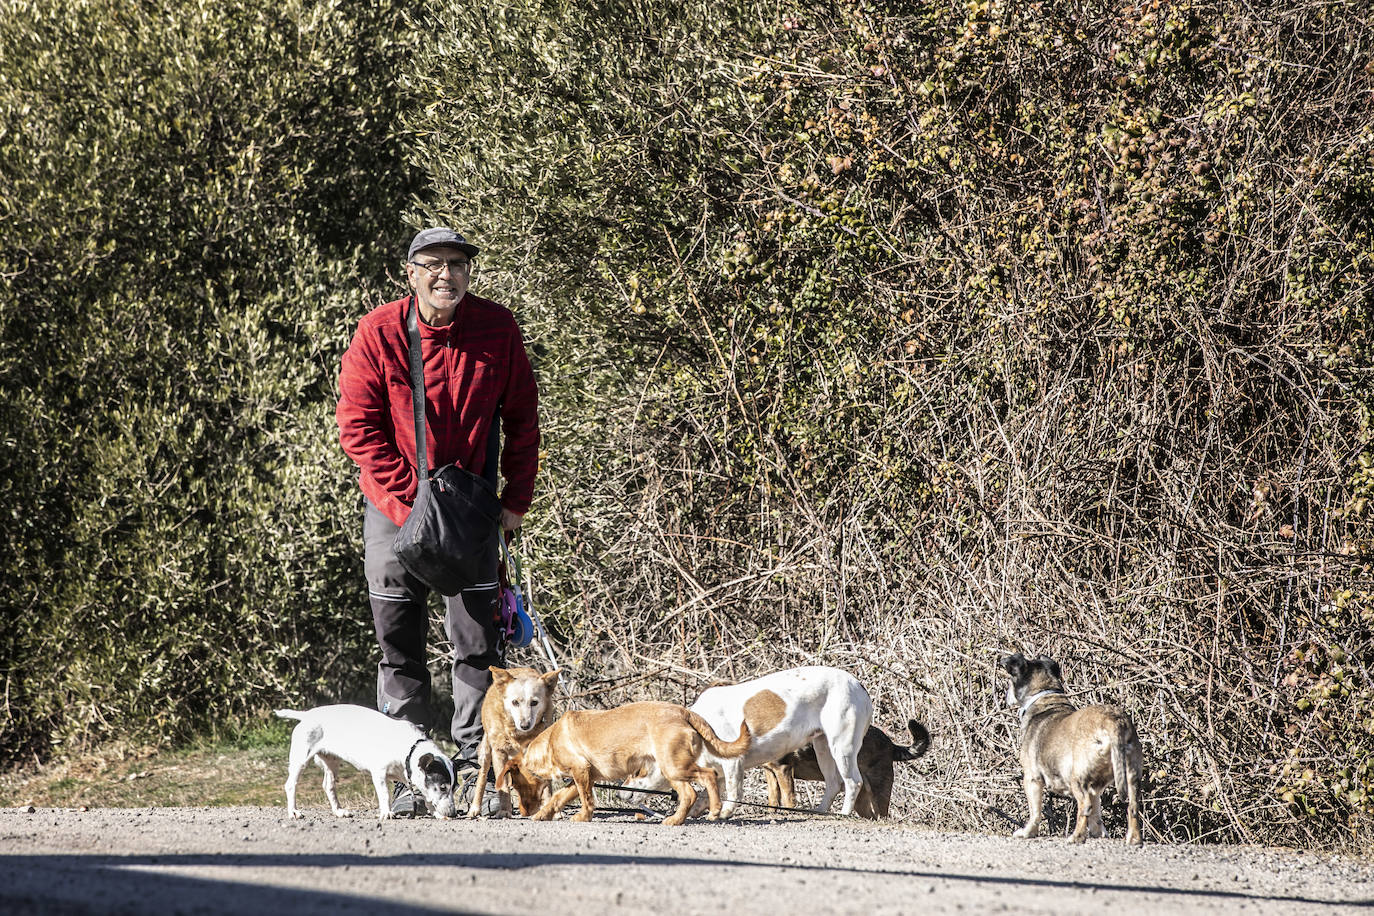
[[517, 707], [1081, 752], [876, 756], [590, 746]]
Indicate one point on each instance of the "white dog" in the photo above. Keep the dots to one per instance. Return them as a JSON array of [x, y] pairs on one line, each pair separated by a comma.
[[386, 748], [825, 707]]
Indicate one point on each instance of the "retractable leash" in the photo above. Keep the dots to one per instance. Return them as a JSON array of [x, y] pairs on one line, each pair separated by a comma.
[[521, 624]]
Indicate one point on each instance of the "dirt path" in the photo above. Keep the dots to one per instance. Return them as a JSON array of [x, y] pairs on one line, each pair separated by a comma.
[[254, 861]]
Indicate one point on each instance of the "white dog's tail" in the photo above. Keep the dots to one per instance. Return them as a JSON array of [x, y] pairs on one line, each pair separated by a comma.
[[290, 714]]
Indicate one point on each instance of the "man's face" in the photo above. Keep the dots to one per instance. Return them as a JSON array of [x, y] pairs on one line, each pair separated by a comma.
[[439, 293]]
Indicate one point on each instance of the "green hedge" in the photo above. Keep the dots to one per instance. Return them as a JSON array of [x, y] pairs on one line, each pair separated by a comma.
[[888, 336], [898, 336], [199, 200]]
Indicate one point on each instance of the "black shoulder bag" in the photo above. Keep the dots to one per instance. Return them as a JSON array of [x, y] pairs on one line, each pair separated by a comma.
[[450, 540]]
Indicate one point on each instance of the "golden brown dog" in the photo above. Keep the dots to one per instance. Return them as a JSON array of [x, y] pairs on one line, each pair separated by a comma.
[[590, 746], [1080, 752], [876, 756], [517, 707]]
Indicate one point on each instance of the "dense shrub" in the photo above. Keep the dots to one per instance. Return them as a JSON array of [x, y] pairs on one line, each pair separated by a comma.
[[890, 336], [190, 194], [897, 336]]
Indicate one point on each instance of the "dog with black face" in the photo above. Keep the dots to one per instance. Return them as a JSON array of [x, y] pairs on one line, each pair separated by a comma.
[[1072, 751]]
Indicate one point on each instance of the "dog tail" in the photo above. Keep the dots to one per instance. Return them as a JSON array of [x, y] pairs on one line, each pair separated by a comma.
[[289, 714], [719, 746], [1126, 767], [1121, 767], [920, 742]]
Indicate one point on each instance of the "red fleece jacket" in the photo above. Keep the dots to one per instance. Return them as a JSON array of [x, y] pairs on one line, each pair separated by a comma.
[[471, 365]]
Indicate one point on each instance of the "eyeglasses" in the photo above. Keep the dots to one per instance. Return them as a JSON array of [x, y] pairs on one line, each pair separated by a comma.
[[455, 265]]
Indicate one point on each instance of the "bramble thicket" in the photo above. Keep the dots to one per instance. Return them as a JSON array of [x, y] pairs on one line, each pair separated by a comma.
[[892, 336]]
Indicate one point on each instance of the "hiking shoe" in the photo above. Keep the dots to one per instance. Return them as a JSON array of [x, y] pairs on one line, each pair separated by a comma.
[[491, 799], [404, 802]]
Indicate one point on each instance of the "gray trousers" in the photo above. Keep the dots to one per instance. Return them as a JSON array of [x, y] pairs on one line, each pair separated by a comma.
[[400, 617]]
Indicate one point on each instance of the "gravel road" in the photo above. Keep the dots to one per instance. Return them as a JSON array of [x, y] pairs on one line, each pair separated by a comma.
[[255, 861]]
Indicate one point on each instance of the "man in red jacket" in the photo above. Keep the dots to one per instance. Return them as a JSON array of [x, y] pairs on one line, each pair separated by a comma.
[[474, 365]]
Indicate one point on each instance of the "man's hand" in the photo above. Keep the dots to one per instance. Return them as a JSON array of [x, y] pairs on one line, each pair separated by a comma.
[[510, 520]]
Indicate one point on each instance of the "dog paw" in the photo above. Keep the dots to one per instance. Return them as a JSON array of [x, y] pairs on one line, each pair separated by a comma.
[[1023, 834], [343, 812], [295, 815]]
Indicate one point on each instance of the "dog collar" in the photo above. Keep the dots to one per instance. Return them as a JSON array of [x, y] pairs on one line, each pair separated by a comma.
[[1035, 698], [411, 753]]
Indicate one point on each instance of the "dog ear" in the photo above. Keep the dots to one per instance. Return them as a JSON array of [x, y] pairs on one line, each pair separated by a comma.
[[1014, 664], [500, 675], [551, 679], [426, 760], [1050, 666]]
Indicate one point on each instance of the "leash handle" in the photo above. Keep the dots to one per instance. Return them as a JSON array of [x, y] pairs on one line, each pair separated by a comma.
[[521, 586]]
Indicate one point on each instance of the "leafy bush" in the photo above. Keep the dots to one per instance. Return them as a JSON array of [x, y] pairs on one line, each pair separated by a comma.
[[897, 337], [190, 193], [892, 336]]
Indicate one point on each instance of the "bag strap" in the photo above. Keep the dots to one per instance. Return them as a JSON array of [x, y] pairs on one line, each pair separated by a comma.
[[417, 388], [417, 403]]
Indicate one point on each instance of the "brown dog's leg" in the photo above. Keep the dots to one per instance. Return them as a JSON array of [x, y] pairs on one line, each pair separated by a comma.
[[1133, 806], [1095, 827], [484, 761], [708, 778], [1084, 800], [556, 803], [785, 793], [1035, 797], [863, 805], [582, 779], [771, 778], [686, 795]]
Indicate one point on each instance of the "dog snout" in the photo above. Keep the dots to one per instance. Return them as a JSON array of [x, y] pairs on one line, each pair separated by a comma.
[[444, 808]]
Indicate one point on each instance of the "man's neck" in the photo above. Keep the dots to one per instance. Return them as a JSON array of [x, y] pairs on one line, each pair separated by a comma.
[[437, 318]]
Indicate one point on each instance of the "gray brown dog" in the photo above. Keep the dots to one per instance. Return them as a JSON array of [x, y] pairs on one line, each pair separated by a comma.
[[1078, 752], [877, 754]]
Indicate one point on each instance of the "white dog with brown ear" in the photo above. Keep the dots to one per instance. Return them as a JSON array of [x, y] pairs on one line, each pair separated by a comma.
[[824, 707]]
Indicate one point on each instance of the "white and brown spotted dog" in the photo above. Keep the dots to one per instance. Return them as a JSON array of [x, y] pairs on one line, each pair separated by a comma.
[[518, 706], [876, 757], [825, 707], [1066, 750]]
